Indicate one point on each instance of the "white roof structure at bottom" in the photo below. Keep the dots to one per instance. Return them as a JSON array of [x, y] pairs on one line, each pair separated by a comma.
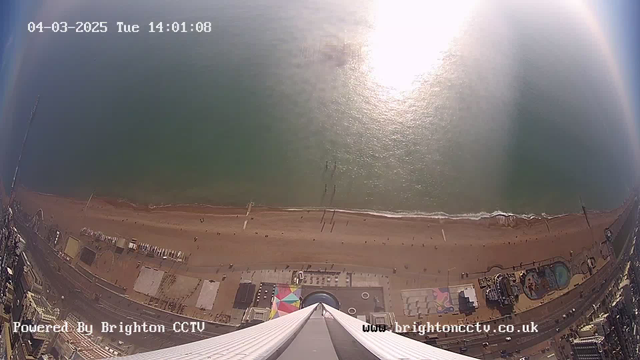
[[271, 340], [388, 345], [256, 342]]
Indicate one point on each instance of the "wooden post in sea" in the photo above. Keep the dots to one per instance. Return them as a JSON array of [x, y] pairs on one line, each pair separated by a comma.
[[323, 194], [246, 220], [249, 208], [88, 201], [584, 211], [586, 217]]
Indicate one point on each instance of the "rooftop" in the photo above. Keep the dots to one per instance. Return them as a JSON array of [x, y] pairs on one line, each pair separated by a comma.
[[83, 344], [589, 339], [41, 304]]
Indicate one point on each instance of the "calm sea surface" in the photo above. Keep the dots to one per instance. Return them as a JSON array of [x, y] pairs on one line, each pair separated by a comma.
[[419, 107]]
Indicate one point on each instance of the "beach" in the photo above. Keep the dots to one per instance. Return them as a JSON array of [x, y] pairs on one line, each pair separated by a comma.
[[391, 253], [215, 237]]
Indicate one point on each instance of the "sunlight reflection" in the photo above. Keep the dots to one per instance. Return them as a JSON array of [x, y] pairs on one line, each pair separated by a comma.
[[409, 39]]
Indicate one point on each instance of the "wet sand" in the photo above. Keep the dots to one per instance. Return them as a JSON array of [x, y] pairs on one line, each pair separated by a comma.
[[273, 236]]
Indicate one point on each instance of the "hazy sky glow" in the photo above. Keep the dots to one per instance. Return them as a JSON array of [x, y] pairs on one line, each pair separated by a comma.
[[623, 78]]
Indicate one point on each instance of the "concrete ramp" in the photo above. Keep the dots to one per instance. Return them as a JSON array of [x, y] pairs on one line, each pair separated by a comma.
[[148, 281], [208, 294]]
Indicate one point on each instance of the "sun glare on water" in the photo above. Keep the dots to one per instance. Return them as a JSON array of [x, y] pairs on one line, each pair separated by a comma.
[[409, 39]]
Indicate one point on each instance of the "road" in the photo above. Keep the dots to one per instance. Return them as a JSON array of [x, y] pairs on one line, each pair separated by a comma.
[[548, 317], [544, 316], [114, 308], [547, 327]]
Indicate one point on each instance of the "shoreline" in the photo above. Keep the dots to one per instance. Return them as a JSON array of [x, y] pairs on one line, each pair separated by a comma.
[[199, 208], [230, 236], [413, 252]]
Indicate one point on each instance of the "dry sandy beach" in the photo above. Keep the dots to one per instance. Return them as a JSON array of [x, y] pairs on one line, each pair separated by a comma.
[[412, 245]]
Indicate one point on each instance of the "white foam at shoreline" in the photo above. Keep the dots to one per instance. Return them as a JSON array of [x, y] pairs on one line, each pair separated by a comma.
[[388, 214], [435, 215]]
